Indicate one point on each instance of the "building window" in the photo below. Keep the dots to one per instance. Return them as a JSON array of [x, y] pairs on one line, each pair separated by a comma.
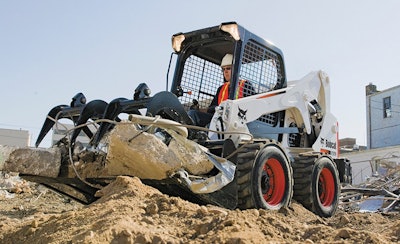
[[387, 108]]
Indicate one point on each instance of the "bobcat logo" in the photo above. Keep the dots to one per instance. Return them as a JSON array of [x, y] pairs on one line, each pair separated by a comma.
[[242, 114]]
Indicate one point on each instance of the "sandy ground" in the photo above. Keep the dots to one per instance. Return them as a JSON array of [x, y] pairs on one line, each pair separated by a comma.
[[131, 212]]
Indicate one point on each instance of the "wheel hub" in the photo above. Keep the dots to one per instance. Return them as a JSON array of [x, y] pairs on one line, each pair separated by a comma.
[[264, 183]]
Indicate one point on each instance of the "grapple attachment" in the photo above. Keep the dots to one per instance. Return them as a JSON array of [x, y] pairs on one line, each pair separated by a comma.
[[78, 112]]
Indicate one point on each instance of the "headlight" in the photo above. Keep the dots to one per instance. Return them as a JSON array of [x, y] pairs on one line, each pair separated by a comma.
[[177, 42], [231, 29]]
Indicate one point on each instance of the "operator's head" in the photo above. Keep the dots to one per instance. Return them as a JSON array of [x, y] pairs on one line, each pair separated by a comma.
[[226, 65]]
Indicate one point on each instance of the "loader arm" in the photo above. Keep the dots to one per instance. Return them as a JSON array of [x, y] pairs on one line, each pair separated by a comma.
[[306, 100]]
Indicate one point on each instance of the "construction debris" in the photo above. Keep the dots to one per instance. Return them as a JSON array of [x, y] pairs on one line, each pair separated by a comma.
[[379, 193], [11, 184], [35, 161]]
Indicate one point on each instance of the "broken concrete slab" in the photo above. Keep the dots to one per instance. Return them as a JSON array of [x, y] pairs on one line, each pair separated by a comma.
[[137, 153], [32, 161]]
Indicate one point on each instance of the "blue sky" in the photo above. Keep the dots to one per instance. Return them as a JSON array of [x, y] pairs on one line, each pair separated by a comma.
[[51, 50]]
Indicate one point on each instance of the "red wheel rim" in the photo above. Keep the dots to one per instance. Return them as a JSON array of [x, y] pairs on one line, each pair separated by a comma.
[[326, 187], [275, 187]]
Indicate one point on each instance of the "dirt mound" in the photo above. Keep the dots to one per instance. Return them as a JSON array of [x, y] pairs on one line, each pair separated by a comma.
[[131, 212]]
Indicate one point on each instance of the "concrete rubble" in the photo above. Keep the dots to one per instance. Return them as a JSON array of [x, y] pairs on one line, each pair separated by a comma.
[[11, 184], [155, 160], [35, 161], [149, 157], [146, 157], [129, 152]]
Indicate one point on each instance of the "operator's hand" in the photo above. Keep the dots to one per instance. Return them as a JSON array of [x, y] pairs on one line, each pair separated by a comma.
[[195, 105]]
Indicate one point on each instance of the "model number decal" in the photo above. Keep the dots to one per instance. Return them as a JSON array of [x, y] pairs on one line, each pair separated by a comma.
[[328, 144]]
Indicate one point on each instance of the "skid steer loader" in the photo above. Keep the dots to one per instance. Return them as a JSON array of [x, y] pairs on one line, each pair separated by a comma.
[[277, 143]]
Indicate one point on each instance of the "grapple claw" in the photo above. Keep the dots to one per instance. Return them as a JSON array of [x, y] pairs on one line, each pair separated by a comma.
[[168, 106], [48, 123], [93, 110], [60, 112], [141, 97], [111, 112], [113, 109], [78, 100]]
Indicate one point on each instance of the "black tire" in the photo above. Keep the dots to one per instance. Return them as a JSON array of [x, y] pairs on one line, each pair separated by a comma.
[[316, 184], [264, 177]]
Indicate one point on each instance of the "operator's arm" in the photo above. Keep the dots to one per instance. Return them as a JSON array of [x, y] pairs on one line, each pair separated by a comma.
[[214, 102]]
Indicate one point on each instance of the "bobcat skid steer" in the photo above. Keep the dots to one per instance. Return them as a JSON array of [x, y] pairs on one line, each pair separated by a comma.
[[276, 142]]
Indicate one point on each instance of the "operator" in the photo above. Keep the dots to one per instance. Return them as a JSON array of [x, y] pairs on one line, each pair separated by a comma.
[[203, 117]]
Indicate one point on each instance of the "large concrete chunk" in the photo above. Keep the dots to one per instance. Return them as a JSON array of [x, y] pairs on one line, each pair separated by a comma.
[[136, 153], [33, 161]]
